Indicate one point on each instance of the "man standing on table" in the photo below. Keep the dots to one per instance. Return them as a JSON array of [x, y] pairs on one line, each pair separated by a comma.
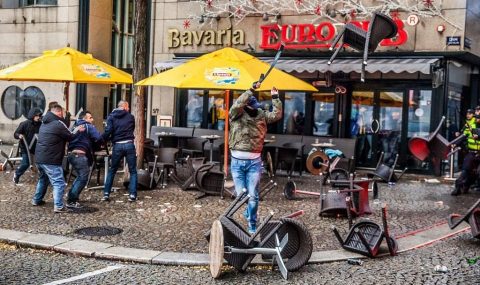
[[247, 133], [52, 137], [119, 129]]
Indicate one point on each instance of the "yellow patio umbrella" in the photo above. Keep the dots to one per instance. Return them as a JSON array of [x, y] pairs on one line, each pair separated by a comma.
[[66, 65], [227, 69]]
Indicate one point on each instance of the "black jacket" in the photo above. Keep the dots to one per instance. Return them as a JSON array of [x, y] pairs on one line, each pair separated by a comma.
[[52, 138], [120, 126], [85, 140], [28, 129]]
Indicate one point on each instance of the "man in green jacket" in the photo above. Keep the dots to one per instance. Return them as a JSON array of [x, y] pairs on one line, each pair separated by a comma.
[[247, 133]]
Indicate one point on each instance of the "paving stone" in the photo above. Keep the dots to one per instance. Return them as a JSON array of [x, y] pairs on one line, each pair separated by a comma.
[[127, 254], [42, 240], [11, 236], [82, 247], [178, 258]]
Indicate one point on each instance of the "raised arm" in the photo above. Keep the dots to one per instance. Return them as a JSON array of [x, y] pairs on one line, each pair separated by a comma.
[[276, 113]]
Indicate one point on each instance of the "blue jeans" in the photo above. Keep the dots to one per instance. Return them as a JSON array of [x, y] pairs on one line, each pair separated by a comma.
[[246, 175], [80, 165], [23, 165], [121, 150], [50, 174]]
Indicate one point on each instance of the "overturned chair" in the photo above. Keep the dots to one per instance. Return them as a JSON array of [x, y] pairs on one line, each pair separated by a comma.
[[365, 237], [435, 147], [203, 177], [332, 202], [384, 173], [286, 241], [472, 217]]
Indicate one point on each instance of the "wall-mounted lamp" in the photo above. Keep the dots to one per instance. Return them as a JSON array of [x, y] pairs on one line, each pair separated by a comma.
[[441, 28], [202, 18], [266, 16]]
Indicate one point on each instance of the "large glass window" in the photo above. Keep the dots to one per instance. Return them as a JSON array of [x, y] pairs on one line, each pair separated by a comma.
[[38, 2], [216, 110], [11, 103], [419, 113], [323, 113], [294, 113], [194, 108], [31, 98], [16, 102]]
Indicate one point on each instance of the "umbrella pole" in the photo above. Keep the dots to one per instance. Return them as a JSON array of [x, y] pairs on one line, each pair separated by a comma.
[[225, 135], [66, 92]]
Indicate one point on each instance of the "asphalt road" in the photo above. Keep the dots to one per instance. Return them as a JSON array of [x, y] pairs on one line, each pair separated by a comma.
[[28, 266]]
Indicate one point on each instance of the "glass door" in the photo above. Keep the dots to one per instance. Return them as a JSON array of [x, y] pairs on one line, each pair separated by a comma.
[[376, 121]]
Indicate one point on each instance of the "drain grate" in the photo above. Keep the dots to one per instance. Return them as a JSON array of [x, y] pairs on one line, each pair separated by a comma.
[[98, 231], [84, 210]]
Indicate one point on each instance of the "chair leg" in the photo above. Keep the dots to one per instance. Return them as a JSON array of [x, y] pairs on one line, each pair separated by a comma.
[[336, 40], [334, 55]]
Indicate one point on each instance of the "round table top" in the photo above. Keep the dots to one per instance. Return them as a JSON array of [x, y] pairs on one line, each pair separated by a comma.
[[210, 137], [325, 144]]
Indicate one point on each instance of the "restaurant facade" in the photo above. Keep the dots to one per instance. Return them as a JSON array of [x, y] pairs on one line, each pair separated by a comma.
[[428, 70]]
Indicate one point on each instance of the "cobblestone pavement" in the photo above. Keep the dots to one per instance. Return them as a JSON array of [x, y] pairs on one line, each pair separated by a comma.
[[173, 220], [28, 266]]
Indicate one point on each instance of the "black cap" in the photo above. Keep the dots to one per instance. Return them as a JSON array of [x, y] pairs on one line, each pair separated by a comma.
[[477, 108], [471, 111]]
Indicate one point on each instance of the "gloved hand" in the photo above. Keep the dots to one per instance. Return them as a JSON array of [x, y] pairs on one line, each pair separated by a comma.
[[274, 93], [255, 85]]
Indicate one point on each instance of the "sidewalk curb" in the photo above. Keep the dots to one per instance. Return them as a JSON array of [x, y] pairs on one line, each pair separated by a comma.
[[107, 251]]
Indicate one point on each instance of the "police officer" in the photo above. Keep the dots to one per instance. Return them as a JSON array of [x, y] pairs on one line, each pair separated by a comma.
[[472, 158]]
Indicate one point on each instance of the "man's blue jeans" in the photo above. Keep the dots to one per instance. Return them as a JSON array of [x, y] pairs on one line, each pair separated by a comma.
[[23, 165], [50, 174], [121, 150], [246, 175], [80, 165]]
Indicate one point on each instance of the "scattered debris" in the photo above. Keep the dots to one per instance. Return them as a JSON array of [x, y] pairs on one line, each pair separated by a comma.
[[197, 206], [441, 269], [354, 261], [432, 180]]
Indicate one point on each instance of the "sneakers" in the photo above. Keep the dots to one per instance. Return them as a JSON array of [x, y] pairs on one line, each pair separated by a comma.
[[105, 198], [16, 179], [61, 210], [132, 198], [456, 191], [74, 205], [252, 230], [34, 203]]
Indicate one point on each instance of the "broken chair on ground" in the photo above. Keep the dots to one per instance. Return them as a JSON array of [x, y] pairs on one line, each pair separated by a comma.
[[287, 242], [365, 236]]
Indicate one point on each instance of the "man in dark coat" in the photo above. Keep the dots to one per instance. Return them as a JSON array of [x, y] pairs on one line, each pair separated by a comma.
[[27, 130], [80, 156], [119, 129], [52, 137]]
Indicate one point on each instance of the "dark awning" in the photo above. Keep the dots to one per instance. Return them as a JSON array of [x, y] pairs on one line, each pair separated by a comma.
[[386, 65]]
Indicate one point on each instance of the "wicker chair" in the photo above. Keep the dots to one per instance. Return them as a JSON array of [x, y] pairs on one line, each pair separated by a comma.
[[241, 247], [365, 237]]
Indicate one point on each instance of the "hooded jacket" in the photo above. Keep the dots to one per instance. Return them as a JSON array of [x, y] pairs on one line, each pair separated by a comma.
[[247, 133], [28, 129], [52, 137], [83, 140], [120, 126]]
